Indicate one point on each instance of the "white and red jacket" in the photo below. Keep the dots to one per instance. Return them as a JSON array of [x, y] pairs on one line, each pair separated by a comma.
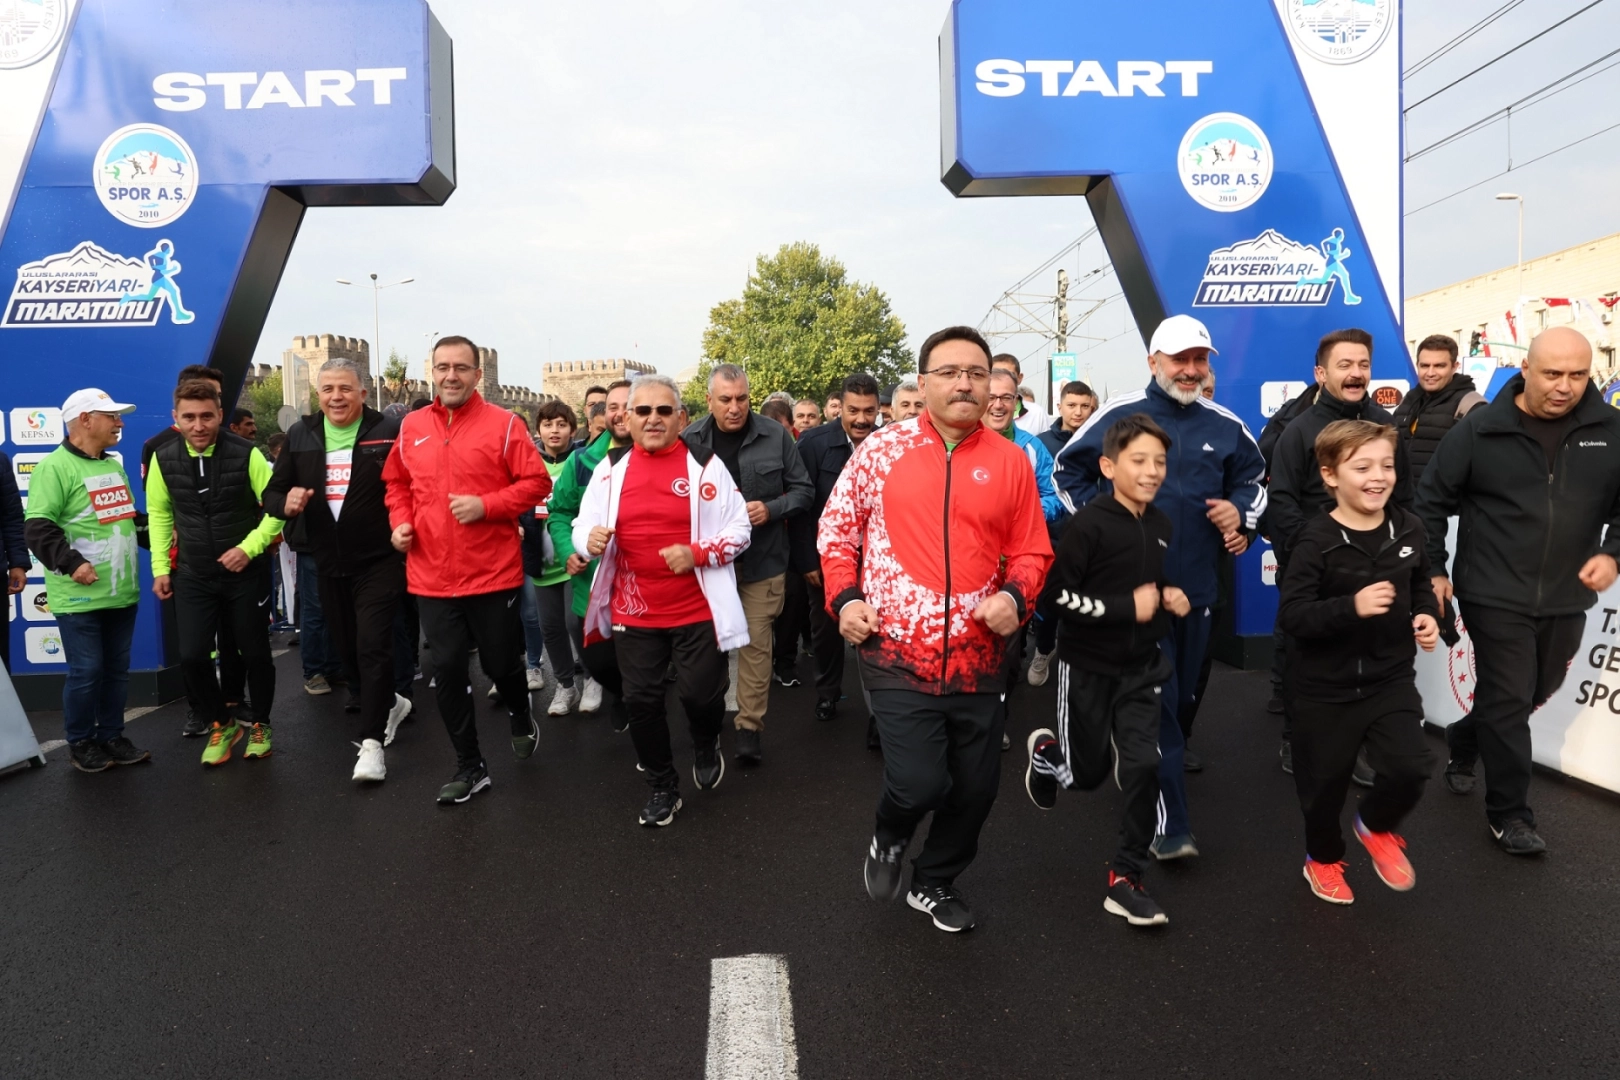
[[480, 449], [720, 532]]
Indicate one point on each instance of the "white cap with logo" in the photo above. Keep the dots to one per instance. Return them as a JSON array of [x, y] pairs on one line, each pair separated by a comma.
[[1179, 333], [91, 400]]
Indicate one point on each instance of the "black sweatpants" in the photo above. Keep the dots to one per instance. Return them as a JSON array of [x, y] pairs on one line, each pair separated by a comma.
[[1328, 735], [361, 610], [941, 753], [1519, 662], [1110, 723], [701, 678], [793, 622], [827, 644], [453, 626], [205, 602]]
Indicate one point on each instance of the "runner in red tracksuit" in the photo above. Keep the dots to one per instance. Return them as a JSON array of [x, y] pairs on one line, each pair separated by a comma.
[[932, 551], [460, 473]]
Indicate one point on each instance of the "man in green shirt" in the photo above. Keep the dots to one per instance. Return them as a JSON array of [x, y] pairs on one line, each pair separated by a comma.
[[203, 498], [80, 525]]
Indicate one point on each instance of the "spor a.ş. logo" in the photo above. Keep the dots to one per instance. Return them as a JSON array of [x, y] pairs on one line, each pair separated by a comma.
[[145, 175], [1225, 162]]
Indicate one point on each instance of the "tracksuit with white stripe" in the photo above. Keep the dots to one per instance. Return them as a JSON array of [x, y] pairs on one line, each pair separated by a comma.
[[1110, 670], [1212, 456]]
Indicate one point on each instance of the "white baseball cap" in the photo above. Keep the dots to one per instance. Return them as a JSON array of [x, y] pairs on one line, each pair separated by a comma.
[[1179, 333], [91, 400]]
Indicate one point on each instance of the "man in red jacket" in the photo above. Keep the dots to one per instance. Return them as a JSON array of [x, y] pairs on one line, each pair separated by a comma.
[[460, 473], [933, 550]]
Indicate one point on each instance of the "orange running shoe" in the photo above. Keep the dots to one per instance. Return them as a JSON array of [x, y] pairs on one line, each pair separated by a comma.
[[1388, 851], [1327, 881]]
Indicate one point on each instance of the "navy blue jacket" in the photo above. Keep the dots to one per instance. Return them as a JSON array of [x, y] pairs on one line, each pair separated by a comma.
[[1212, 456], [13, 548], [1054, 438]]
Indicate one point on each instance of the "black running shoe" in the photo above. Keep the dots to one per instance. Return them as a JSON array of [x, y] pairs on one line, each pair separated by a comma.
[[1285, 754], [1460, 777], [883, 870], [1519, 837], [661, 808], [196, 726], [351, 704], [1363, 774], [748, 752], [708, 765], [826, 709], [123, 752], [619, 716], [467, 783], [1127, 899], [1191, 762], [1040, 778], [944, 905], [88, 755], [786, 674]]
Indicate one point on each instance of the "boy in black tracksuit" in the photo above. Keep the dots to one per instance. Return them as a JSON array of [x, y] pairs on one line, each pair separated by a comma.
[[1110, 595], [1356, 602]]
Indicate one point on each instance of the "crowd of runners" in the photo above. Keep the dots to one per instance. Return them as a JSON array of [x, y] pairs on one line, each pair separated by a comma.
[[940, 529]]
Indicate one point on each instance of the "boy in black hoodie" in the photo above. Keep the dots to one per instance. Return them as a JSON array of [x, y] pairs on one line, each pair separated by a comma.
[[1356, 602], [1111, 596]]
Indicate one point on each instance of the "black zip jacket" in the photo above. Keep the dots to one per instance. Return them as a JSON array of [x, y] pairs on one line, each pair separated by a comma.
[[771, 472], [1296, 488], [1105, 554], [13, 544], [361, 534], [1524, 533], [1335, 654], [824, 450], [1425, 418], [1272, 432]]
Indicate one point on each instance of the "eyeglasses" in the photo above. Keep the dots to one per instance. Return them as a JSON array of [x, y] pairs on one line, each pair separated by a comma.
[[951, 374], [648, 410], [1003, 399]]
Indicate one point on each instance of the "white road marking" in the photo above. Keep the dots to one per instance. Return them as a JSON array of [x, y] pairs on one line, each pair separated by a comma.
[[751, 1020]]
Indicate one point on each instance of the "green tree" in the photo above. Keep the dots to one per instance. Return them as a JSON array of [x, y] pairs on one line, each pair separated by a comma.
[[264, 401], [802, 325], [394, 374]]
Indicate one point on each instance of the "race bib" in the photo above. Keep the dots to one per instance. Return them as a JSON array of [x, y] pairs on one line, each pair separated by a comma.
[[339, 466], [109, 498]]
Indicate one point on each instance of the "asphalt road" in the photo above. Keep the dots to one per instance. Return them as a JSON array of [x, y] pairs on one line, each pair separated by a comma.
[[271, 919]]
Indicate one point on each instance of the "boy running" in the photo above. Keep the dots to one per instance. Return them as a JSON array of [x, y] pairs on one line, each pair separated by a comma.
[[1111, 597], [1356, 603]]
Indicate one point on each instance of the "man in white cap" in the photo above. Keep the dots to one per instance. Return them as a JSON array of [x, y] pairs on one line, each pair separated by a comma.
[[80, 525], [1214, 493]]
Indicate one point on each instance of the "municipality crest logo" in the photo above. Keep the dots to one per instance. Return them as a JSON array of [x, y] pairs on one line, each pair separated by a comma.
[[1225, 162], [1273, 271], [145, 175], [1339, 31], [91, 286], [30, 30]]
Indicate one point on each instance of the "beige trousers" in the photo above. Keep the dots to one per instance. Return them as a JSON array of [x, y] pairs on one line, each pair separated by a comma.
[[761, 603]]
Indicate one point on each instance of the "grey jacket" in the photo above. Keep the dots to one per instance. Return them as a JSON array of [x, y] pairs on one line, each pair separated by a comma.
[[771, 473]]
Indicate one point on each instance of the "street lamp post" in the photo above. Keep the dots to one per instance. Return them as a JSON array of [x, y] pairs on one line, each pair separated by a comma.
[[1508, 196], [376, 323]]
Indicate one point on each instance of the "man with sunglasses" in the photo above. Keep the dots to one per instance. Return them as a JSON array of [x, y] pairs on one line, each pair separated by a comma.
[[459, 475], [667, 521], [933, 550], [762, 458]]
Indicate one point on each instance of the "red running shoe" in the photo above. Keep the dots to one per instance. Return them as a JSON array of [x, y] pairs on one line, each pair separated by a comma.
[[1327, 881], [1388, 851]]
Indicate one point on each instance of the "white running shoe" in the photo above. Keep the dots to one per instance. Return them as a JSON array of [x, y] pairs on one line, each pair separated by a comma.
[[1040, 666], [591, 698], [562, 702], [370, 764], [537, 679], [396, 716]]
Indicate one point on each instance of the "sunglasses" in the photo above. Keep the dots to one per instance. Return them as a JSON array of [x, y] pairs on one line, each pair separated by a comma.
[[648, 410]]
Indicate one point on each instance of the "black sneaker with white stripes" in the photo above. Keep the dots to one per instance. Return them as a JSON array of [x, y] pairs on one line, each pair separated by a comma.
[[944, 905], [708, 765], [1040, 776], [1127, 899], [883, 871], [661, 808]]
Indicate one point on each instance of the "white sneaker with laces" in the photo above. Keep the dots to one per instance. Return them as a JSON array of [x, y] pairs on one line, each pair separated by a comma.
[[370, 765], [591, 698], [537, 679], [396, 716], [562, 702], [1039, 668]]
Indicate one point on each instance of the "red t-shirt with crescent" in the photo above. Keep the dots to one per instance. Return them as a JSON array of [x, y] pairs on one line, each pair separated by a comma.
[[655, 511]]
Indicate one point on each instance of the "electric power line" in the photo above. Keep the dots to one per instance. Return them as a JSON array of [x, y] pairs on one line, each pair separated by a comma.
[[1460, 38], [1504, 172], [1503, 56]]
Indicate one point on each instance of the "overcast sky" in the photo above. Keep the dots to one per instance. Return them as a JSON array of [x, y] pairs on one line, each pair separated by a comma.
[[622, 163]]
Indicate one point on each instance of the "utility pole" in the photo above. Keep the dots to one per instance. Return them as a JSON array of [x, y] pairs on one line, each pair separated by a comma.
[[1062, 329]]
